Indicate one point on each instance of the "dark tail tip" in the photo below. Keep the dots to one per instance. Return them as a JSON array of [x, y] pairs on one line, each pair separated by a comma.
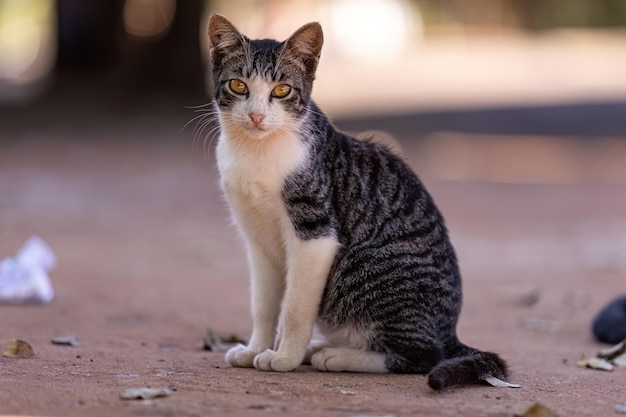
[[467, 370], [438, 381]]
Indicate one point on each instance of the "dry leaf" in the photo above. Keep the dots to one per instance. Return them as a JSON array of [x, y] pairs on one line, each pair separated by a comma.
[[606, 359], [538, 410], [16, 348], [541, 325], [492, 380], [216, 343], [66, 340], [529, 299], [583, 361], [598, 363], [145, 393], [595, 363]]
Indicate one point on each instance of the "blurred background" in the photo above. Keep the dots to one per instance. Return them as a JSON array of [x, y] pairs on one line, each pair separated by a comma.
[[513, 112], [380, 56], [448, 58]]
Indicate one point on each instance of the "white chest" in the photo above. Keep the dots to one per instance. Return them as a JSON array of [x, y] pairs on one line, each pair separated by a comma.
[[252, 174]]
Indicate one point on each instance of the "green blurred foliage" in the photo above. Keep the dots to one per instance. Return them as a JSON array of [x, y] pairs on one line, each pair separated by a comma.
[[527, 14]]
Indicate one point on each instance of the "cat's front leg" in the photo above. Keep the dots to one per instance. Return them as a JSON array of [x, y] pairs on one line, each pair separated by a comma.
[[309, 262], [267, 287]]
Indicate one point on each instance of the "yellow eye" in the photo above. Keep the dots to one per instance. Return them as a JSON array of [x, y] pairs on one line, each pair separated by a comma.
[[281, 91], [237, 86]]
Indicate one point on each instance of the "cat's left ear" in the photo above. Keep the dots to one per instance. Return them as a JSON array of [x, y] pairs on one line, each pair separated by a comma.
[[305, 45], [223, 36]]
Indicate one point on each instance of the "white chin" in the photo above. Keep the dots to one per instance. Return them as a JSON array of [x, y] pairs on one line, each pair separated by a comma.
[[257, 133]]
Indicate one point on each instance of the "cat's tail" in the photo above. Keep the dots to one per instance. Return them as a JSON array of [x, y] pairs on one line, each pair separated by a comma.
[[466, 365]]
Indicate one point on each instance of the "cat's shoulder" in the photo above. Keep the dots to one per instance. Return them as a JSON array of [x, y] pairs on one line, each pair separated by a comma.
[[382, 139], [372, 144]]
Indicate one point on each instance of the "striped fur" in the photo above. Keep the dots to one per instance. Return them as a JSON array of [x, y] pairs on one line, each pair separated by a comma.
[[340, 232]]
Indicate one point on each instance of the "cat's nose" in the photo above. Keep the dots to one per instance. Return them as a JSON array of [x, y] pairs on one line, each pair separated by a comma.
[[257, 118]]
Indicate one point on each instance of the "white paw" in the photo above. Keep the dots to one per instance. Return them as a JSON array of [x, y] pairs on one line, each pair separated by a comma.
[[273, 361], [326, 360], [241, 356], [310, 351]]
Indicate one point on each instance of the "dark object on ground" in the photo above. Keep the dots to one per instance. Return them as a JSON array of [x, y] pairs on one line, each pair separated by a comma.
[[610, 324]]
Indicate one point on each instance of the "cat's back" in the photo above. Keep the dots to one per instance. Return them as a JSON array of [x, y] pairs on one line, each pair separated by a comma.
[[377, 193]]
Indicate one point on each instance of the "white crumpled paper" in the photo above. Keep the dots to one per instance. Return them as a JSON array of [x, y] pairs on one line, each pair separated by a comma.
[[24, 277]]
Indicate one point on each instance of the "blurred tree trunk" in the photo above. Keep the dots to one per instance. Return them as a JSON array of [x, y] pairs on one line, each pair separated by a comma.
[[524, 10], [93, 46], [171, 64]]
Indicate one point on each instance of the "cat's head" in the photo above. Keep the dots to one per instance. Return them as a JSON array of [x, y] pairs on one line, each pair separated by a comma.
[[262, 87]]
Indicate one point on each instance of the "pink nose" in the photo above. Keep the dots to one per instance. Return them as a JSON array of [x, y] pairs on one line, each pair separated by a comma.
[[256, 118]]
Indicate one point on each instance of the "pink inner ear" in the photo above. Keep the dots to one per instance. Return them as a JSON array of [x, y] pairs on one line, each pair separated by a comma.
[[308, 40], [222, 33]]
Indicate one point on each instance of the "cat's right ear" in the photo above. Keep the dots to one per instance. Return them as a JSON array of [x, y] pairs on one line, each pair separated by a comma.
[[223, 36], [305, 45]]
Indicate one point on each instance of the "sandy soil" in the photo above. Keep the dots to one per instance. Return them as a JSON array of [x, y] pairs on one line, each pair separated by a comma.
[[148, 261]]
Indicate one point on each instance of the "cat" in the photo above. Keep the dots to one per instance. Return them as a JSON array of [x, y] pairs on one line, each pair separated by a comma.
[[340, 233]]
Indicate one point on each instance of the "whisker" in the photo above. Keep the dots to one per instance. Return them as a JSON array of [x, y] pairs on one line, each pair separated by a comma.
[[213, 133], [307, 125], [205, 126], [199, 106], [206, 110], [310, 109], [202, 120], [201, 130], [191, 121]]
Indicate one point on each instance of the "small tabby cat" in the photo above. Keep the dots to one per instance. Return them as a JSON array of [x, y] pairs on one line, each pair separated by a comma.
[[339, 232]]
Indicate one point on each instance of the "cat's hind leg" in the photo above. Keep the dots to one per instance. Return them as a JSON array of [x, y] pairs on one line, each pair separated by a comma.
[[318, 342], [352, 355], [342, 359]]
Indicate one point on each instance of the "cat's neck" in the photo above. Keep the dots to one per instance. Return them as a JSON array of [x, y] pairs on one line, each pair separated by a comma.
[[242, 158], [242, 142]]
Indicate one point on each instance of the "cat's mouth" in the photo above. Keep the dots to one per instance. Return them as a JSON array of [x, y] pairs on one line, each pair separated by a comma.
[[256, 131], [248, 129], [255, 128]]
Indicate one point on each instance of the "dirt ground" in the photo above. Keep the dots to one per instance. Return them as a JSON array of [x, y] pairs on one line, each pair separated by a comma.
[[148, 261]]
